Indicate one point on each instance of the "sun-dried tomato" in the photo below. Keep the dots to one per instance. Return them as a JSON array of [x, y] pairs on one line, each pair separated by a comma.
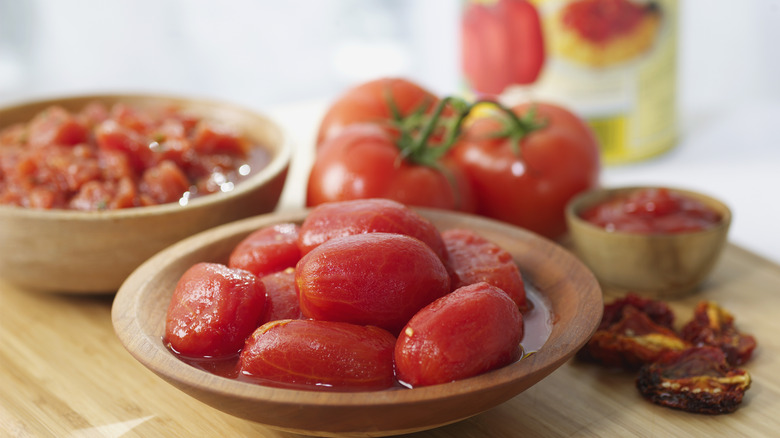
[[714, 326], [632, 341], [697, 379], [658, 311]]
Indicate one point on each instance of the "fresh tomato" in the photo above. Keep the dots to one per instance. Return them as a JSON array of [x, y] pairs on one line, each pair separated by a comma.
[[474, 259], [368, 161], [338, 219], [472, 330], [379, 279], [503, 44], [526, 165], [267, 250], [322, 354], [381, 101], [213, 310]]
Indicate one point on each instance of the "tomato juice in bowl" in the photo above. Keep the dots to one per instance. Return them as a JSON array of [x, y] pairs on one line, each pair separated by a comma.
[[75, 251], [658, 241]]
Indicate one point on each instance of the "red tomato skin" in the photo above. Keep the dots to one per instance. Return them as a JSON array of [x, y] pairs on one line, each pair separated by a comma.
[[213, 310], [363, 161], [281, 297], [503, 45], [321, 353], [474, 259], [267, 250], [379, 279], [472, 330], [531, 189], [368, 103], [338, 219]]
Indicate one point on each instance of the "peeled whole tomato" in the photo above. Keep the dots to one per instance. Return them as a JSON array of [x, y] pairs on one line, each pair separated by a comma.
[[336, 219], [321, 353], [379, 279], [470, 331], [267, 250], [474, 259], [213, 309]]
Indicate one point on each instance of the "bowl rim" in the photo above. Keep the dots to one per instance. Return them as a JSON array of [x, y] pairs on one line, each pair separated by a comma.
[[279, 159], [590, 197], [148, 349]]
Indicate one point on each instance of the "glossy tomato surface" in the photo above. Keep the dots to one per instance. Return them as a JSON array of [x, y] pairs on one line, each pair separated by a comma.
[[474, 259], [281, 297], [531, 185], [213, 310], [338, 219], [472, 330], [373, 102], [322, 354], [364, 161], [379, 279], [268, 250]]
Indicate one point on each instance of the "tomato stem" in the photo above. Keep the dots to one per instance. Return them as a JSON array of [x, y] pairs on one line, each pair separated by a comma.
[[515, 128]]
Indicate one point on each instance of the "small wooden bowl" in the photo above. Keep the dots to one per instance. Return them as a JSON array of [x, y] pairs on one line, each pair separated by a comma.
[[93, 252], [567, 287], [656, 265]]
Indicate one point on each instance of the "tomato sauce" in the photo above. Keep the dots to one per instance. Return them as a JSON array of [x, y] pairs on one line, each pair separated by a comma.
[[652, 210], [104, 158], [537, 321]]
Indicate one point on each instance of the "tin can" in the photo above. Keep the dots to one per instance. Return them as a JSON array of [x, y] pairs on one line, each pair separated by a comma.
[[613, 62]]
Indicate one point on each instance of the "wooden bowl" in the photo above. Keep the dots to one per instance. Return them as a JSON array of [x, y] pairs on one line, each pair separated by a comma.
[[93, 252], [566, 287], [656, 265]]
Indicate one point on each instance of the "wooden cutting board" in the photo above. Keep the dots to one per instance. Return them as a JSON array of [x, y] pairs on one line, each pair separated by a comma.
[[63, 373]]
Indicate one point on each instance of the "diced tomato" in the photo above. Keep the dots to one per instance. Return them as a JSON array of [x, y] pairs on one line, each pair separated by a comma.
[[164, 182], [56, 126], [210, 139]]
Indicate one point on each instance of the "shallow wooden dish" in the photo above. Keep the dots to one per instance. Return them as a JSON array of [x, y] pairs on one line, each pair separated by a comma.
[[93, 252], [657, 265], [569, 289]]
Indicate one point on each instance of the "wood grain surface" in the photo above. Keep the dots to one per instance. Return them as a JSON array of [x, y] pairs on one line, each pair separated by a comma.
[[63, 373]]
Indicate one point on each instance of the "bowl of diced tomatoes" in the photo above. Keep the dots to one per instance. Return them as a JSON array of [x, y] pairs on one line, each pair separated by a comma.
[[362, 317], [93, 185]]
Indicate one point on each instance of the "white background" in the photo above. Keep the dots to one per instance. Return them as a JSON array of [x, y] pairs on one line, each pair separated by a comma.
[[289, 58]]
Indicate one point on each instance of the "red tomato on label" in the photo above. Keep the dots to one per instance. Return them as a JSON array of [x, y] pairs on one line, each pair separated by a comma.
[[503, 45], [530, 185], [474, 259], [371, 102], [338, 219], [321, 353], [379, 279], [364, 161], [213, 310], [268, 250], [473, 330]]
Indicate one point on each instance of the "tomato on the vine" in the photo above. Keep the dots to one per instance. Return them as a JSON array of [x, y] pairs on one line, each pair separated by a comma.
[[380, 101], [525, 165], [365, 161]]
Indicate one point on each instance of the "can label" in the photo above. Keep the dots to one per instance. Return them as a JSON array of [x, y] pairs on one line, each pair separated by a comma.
[[613, 62]]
